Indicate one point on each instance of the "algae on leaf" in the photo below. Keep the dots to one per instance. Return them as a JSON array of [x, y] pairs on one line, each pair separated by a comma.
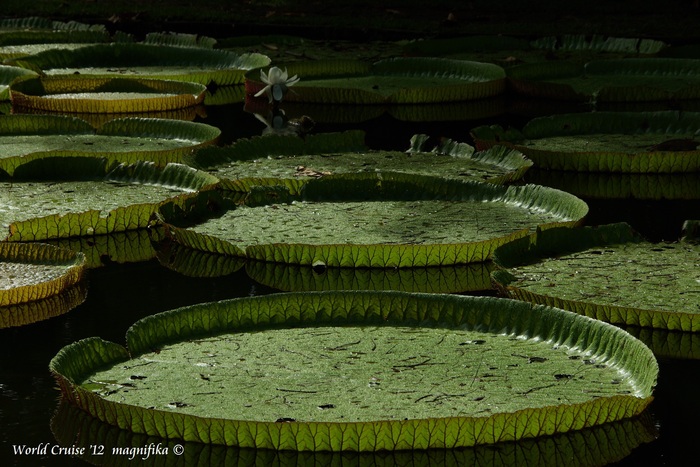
[[360, 371]]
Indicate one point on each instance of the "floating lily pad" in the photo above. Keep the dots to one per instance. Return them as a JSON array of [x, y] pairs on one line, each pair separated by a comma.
[[668, 344], [78, 94], [140, 60], [608, 273], [26, 137], [63, 197], [626, 142], [260, 162], [582, 44], [382, 220], [31, 272], [302, 372], [396, 81], [613, 80]]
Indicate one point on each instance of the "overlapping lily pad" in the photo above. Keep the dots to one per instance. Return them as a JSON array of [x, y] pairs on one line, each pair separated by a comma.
[[302, 372], [8, 74], [78, 94], [27, 137], [38, 281], [613, 80], [395, 81], [382, 220], [63, 197], [608, 273], [141, 60], [625, 142], [288, 161]]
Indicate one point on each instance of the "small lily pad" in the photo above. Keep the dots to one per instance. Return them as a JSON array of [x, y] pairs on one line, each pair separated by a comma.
[[356, 371], [608, 273], [395, 81], [78, 94], [8, 74]]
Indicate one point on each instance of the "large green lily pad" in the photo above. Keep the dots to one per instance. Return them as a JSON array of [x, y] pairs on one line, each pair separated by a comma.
[[290, 162], [626, 142], [396, 81], [78, 94], [27, 137], [608, 273], [61, 197], [140, 60], [303, 372], [613, 80], [382, 220]]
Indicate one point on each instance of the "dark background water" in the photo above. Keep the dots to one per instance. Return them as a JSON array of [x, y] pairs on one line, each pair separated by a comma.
[[120, 294]]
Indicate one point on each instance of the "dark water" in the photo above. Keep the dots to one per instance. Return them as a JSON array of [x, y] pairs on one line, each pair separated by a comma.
[[119, 295]]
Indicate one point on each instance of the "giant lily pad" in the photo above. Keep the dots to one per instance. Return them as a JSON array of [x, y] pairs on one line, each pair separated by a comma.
[[622, 80], [78, 94], [608, 273], [633, 142], [303, 372], [139, 60], [383, 220], [26, 137], [396, 81], [63, 197], [291, 162]]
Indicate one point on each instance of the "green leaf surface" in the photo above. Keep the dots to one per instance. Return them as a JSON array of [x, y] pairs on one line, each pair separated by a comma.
[[607, 273], [385, 220], [306, 365], [395, 80], [30, 271], [624, 142], [44, 308], [24, 138], [260, 162], [613, 80], [54, 198], [192, 64], [445, 279], [590, 447]]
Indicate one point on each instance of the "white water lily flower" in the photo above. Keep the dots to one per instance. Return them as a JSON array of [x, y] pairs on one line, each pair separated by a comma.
[[277, 83]]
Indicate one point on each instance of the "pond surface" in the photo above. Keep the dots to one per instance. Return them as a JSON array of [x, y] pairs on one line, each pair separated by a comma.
[[120, 294]]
